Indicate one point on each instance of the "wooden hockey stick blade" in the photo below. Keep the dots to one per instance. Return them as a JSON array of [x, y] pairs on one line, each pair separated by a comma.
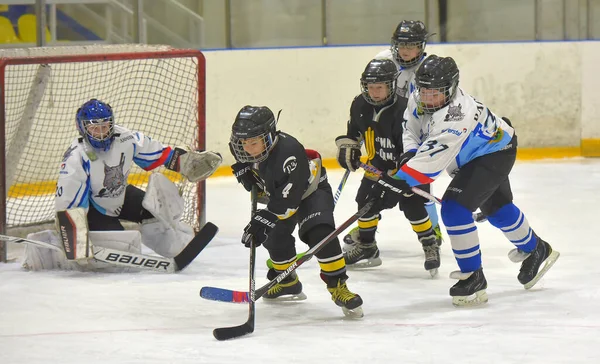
[[228, 333]]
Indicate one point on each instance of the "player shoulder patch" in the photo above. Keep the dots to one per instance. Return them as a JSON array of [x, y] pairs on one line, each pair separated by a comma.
[[68, 152], [454, 113], [290, 164]]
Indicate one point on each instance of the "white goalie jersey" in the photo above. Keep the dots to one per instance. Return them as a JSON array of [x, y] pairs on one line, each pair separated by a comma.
[[102, 182], [450, 138]]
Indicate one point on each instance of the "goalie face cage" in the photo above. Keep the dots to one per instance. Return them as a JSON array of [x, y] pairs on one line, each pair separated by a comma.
[[152, 89]]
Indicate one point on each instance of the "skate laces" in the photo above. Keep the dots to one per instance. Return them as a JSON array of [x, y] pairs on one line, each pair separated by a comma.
[[431, 251], [357, 251], [438, 233], [341, 293], [280, 286]]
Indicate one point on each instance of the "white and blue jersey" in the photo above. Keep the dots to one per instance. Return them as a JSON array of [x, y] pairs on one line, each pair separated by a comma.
[[405, 83], [102, 182], [450, 137]]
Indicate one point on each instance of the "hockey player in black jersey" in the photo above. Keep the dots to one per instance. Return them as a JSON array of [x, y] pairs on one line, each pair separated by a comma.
[[376, 117], [296, 192]]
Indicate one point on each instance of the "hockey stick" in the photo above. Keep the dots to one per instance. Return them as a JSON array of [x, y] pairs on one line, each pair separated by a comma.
[[336, 197], [139, 261], [226, 333], [227, 295], [478, 216]]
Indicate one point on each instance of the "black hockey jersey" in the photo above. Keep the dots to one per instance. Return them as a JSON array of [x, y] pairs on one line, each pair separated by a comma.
[[381, 129], [287, 174]]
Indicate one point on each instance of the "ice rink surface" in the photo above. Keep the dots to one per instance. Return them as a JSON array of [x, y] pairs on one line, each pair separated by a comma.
[[73, 317]]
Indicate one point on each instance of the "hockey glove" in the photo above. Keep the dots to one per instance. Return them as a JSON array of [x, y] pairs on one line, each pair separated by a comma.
[[393, 185], [404, 158], [348, 153], [376, 194], [259, 228], [244, 175]]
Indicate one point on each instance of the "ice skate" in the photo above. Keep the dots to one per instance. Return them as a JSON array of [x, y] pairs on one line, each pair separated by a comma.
[[350, 302], [349, 241], [541, 257], [470, 289], [289, 289], [431, 247]]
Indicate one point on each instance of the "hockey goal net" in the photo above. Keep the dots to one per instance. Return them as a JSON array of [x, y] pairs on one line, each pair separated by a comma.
[[153, 89]]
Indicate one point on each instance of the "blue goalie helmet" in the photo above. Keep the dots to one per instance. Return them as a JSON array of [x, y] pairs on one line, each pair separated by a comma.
[[95, 122]]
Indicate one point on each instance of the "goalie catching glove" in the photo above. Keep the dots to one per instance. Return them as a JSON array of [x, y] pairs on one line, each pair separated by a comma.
[[194, 165]]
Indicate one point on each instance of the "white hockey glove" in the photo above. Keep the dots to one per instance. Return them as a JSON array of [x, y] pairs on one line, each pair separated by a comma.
[[348, 153]]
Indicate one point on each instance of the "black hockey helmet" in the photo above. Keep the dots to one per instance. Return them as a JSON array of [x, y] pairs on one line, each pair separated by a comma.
[[436, 73], [409, 33], [379, 71], [253, 122]]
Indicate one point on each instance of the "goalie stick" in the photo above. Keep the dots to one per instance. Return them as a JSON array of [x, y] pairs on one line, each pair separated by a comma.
[[226, 333], [139, 261], [227, 295]]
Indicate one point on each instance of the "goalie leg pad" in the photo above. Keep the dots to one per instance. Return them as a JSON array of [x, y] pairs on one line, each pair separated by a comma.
[[36, 259], [73, 231], [166, 235], [129, 241], [162, 199], [165, 240]]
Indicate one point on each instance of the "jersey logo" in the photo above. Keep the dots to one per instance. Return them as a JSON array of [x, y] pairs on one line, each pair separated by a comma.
[[498, 136], [68, 153], [370, 143], [114, 179], [290, 164], [454, 131], [454, 113]]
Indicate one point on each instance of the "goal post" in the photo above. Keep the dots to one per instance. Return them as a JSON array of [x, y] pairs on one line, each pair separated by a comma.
[[157, 90]]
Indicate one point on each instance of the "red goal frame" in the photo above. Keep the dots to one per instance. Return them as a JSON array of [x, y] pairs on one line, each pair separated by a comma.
[[172, 53]]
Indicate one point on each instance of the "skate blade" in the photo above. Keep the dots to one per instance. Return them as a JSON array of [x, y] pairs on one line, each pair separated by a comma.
[[433, 272], [365, 263], [476, 299], [548, 263], [286, 298], [355, 313]]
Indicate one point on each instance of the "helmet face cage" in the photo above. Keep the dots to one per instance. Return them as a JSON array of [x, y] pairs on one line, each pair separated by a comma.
[[448, 91], [237, 146], [258, 124], [95, 122], [391, 84], [395, 48]]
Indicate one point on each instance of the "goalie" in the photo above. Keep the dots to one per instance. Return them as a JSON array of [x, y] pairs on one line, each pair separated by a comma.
[[93, 178]]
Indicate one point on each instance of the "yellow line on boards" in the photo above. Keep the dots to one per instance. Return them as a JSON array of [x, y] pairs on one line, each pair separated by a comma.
[[588, 148]]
